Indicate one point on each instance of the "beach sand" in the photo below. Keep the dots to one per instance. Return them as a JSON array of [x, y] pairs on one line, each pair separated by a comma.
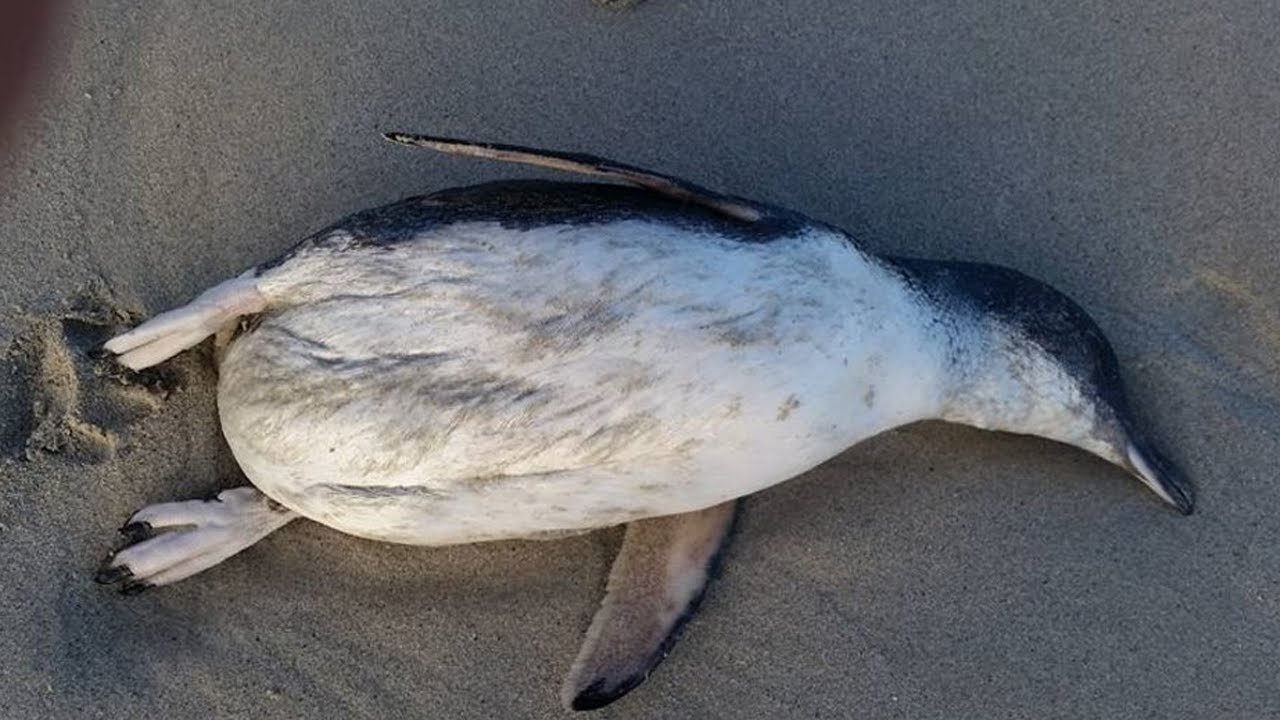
[[1128, 156]]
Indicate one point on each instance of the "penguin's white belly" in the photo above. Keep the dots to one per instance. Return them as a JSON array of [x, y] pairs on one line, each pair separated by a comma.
[[478, 383]]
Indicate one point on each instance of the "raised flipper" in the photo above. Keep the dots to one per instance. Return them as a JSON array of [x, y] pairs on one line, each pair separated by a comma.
[[169, 333], [733, 207], [656, 583]]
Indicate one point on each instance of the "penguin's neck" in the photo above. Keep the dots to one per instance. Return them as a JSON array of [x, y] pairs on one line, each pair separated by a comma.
[[991, 382], [1000, 381]]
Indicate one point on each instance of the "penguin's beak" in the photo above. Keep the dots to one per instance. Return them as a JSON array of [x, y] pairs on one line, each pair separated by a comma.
[[1158, 473]]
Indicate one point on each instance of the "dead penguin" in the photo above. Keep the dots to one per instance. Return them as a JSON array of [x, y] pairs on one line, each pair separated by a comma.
[[525, 359]]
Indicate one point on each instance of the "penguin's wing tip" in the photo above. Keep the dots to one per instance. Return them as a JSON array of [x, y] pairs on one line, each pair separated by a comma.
[[657, 581]]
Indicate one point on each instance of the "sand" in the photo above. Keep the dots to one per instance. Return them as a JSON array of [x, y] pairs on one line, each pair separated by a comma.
[[1128, 156]]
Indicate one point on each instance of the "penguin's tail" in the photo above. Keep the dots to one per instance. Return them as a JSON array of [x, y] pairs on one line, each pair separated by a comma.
[[169, 333]]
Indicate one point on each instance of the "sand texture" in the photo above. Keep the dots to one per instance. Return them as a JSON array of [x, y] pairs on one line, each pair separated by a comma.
[[1127, 153]]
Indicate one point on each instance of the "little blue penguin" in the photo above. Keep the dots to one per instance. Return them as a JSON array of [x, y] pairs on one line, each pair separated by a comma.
[[529, 359]]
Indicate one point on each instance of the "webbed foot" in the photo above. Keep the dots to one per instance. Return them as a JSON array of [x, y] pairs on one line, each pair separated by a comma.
[[169, 542]]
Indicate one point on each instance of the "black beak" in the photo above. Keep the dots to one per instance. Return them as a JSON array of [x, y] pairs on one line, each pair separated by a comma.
[[1157, 473]]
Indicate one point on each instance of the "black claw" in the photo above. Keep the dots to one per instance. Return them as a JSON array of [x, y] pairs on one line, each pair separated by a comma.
[[133, 587], [136, 532], [107, 574]]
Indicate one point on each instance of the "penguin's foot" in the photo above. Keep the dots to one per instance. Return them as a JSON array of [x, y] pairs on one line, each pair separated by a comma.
[[169, 333], [169, 542]]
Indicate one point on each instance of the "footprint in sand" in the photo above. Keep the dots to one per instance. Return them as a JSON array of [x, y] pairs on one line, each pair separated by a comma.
[[68, 397]]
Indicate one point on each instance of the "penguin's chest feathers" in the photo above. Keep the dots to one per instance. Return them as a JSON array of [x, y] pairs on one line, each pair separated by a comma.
[[483, 352]]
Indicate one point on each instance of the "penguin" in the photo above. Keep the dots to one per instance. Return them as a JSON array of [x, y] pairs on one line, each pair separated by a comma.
[[530, 358]]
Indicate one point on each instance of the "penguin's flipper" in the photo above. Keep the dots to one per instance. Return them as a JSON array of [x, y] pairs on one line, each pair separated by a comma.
[[169, 333], [675, 188], [656, 583]]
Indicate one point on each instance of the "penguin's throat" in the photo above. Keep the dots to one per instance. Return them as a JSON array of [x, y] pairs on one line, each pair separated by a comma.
[[1016, 387]]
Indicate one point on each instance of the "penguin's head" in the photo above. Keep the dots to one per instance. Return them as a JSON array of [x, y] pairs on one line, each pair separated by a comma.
[[1025, 358]]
